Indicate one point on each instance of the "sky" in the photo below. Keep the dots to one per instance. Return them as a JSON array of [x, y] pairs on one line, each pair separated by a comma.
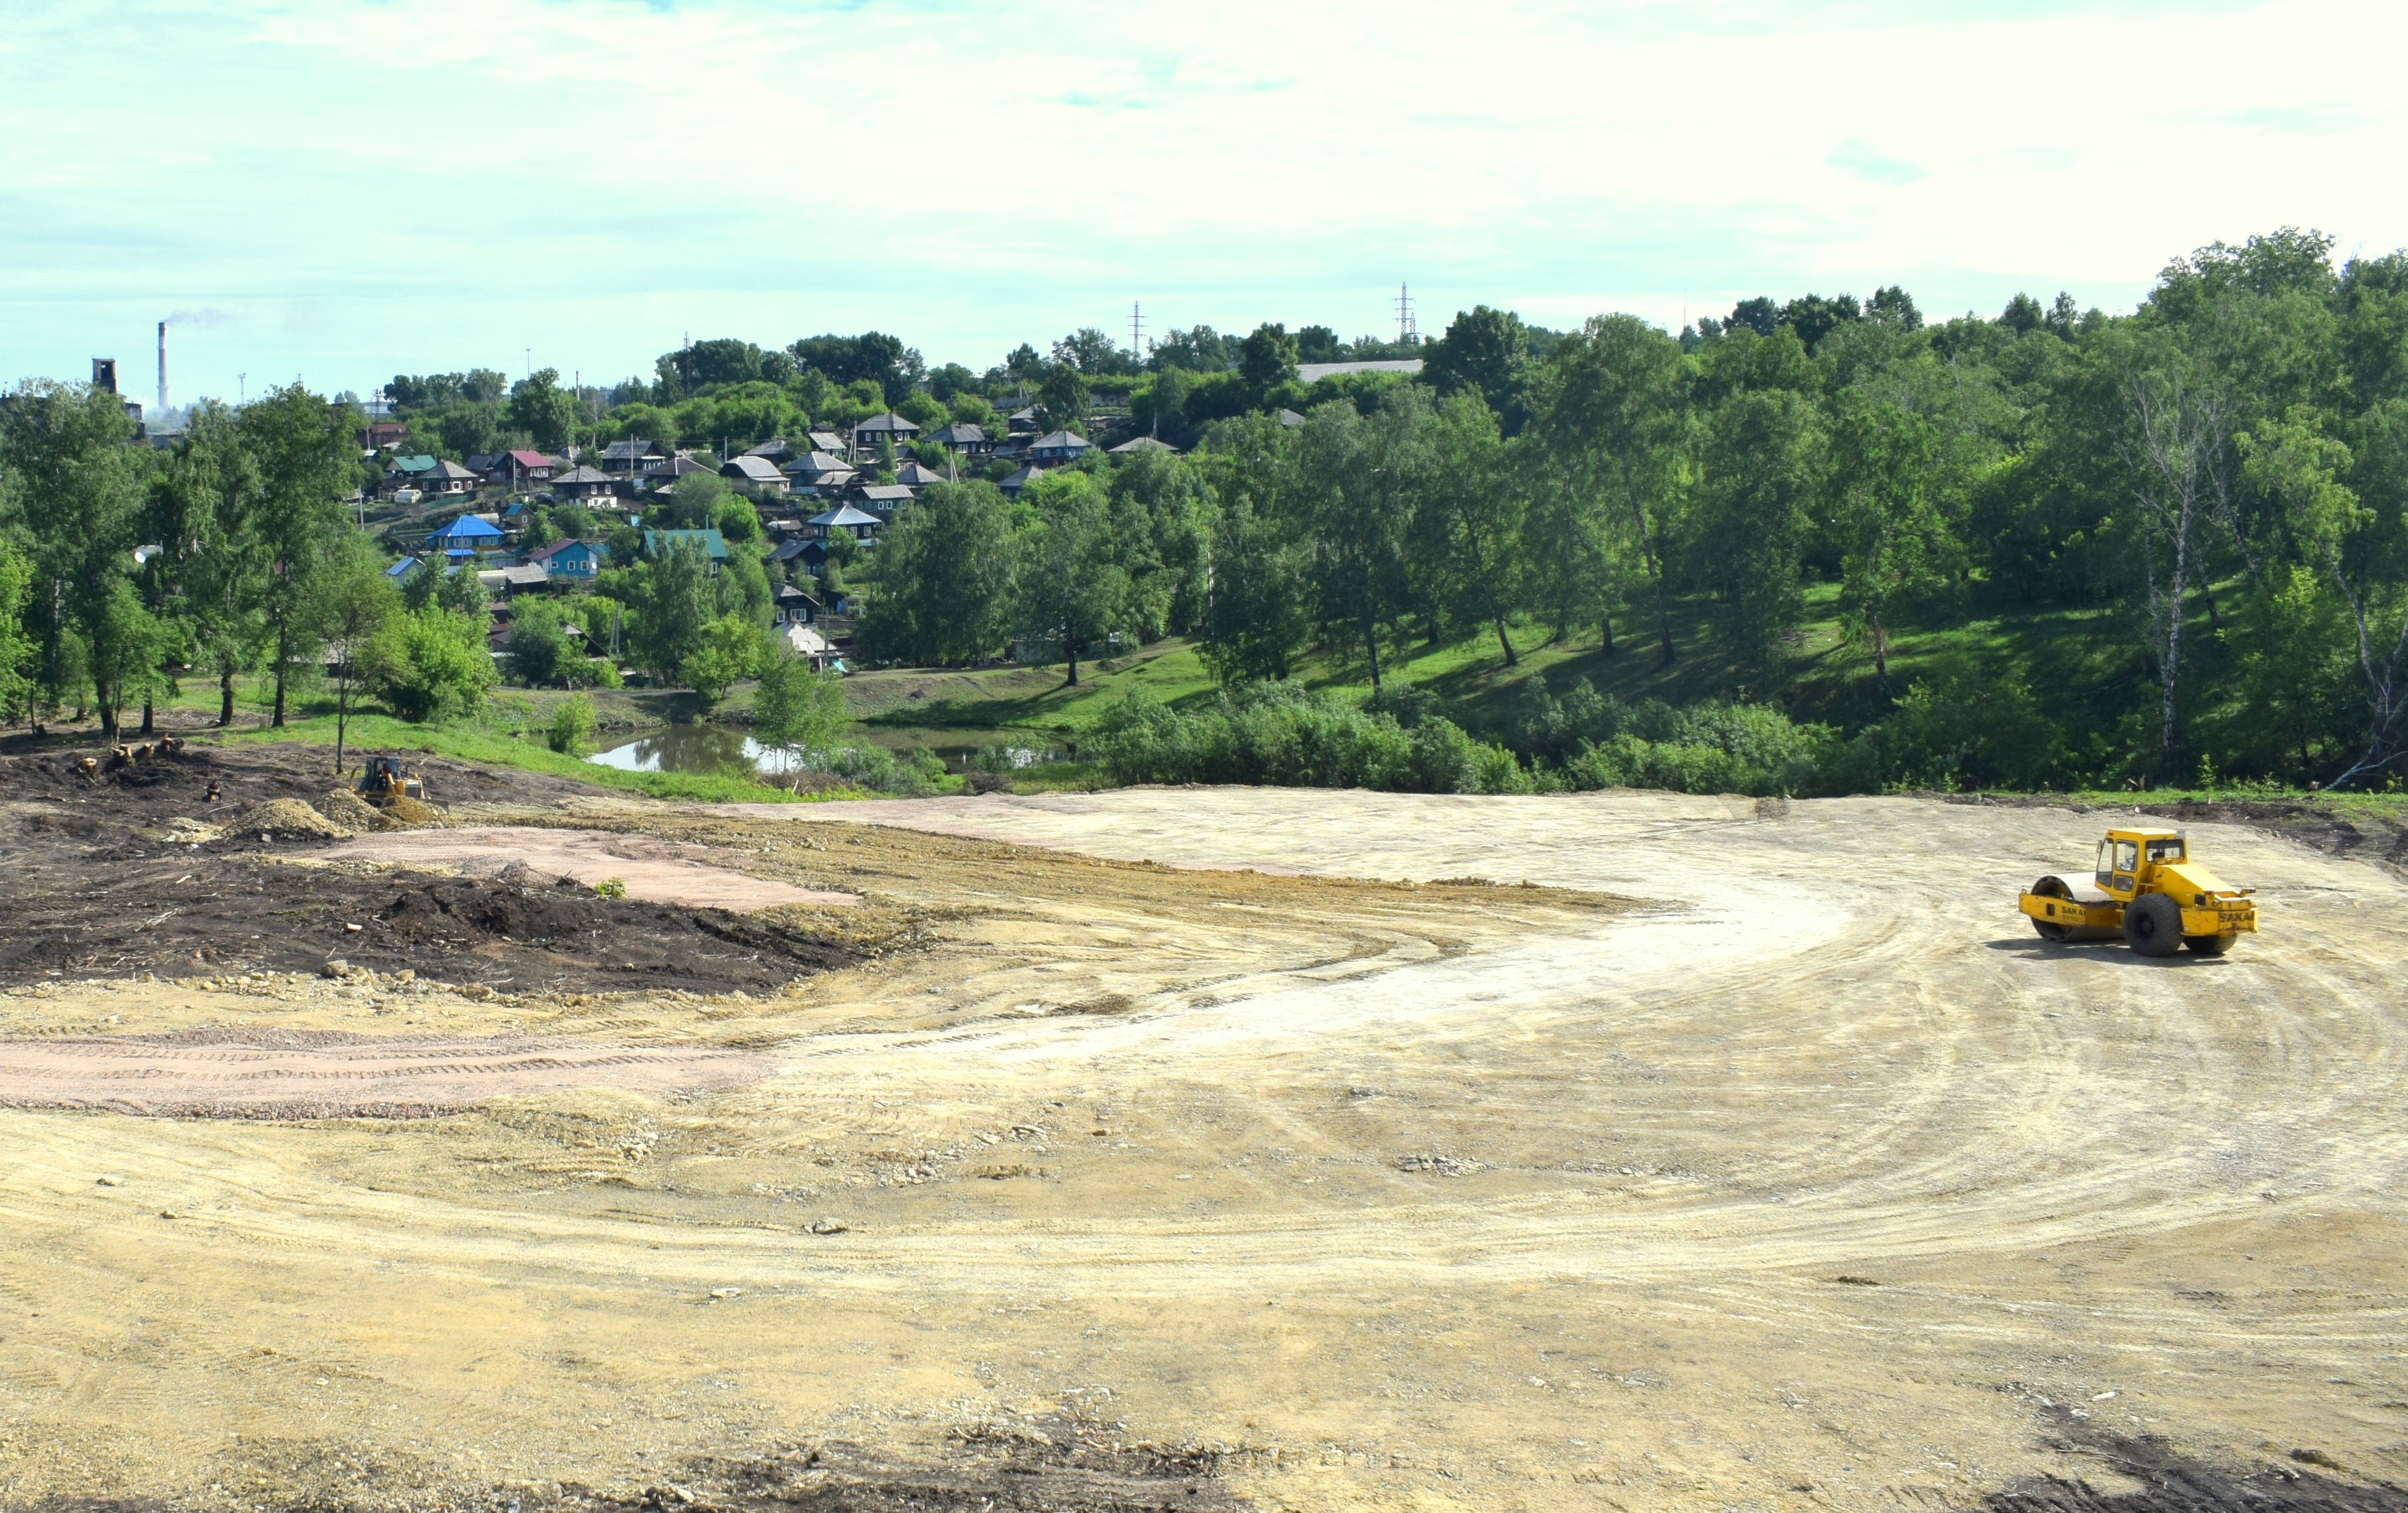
[[338, 191]]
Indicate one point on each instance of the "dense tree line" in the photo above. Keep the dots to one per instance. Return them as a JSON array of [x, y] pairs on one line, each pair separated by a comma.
[[125, 569], [2059, 546], [2211, 494]]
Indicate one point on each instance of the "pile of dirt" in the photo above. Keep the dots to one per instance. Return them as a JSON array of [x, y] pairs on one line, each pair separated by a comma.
[[402, 810], [517, 933], [350, 814], [175, 783], [285, 817]]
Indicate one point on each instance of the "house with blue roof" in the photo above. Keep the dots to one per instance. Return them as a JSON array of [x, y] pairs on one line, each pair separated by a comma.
[[466, 537]]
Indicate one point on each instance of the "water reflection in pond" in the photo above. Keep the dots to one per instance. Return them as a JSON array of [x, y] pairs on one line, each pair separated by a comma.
[[712, 751], [716, 750]]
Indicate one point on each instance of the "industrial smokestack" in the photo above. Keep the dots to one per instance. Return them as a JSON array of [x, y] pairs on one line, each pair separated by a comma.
[[163, 369]]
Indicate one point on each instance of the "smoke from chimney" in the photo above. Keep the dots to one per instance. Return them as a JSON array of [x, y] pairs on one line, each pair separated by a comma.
[[163, 369]]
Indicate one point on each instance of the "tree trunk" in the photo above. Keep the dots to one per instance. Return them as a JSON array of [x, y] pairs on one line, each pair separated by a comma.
[[225, 697], [1881, 652], [1070, 653], [1507, 642], [147, 723], [2172, 665], [1605, 634], [342, 712], [1371, 649]]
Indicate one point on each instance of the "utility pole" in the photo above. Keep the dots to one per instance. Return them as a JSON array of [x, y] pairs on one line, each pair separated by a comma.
[[1137, 333], [1407, 330]]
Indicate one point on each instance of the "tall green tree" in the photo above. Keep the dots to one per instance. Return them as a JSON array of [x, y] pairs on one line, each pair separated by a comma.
[[1612, 415], [77, 491], [673, 604], [1484, 352], [1359, 482], [943, 575], [1470, 557], [1069, 593], [307, 461], [205, 516], [1893, 509], [1759, 467], [17, 648], [349, 601]]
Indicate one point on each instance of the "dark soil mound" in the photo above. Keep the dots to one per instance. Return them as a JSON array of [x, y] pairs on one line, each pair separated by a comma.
[[97, 884]]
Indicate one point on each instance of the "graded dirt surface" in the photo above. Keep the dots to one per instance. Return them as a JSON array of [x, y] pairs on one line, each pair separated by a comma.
[[231, 1074], [1752, 1156], [659, 872]]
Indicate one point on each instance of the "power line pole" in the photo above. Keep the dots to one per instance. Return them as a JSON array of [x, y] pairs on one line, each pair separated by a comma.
[[1407, 330], [1137, 333]]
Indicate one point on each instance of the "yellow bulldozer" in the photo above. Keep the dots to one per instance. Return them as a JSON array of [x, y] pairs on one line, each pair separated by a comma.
[[386, 779], [2148, 889]]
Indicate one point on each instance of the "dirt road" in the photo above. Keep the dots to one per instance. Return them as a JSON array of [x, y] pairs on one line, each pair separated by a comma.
[[1813, 1181]]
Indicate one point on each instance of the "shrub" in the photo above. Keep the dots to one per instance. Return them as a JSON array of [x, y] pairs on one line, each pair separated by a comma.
[[1960, 728], [916, 773], [1710, 748], [430, 664], [572, 726], [1279, 734]]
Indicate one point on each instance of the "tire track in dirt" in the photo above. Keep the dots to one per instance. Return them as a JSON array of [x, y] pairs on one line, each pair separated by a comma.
[[334, 1077], [2016, 1116], [2048, 1157]]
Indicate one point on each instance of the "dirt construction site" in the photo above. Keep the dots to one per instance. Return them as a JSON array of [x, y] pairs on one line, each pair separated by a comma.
[[1174, 1148]]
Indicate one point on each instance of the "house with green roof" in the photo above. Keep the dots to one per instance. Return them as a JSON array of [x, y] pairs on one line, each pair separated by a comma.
[[714, 545]]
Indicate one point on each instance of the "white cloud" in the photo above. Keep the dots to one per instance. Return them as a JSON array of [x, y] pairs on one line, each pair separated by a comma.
[[367, 186]]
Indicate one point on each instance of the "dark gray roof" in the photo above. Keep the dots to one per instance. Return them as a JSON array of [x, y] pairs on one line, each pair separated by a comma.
[[580, 474], [959, 434], [888, 424], [1142, 444], [818, 461], [1023, 478], [917, 474], [1061, 440], [887, 493], [1289, 416]]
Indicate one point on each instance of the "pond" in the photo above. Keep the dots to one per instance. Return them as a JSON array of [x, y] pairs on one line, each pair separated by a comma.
[[713, 750], [719, 751]]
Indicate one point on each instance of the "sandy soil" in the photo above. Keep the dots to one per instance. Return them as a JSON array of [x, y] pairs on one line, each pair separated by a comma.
[[659, 871], [234, 1075], [1813, 1180]]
